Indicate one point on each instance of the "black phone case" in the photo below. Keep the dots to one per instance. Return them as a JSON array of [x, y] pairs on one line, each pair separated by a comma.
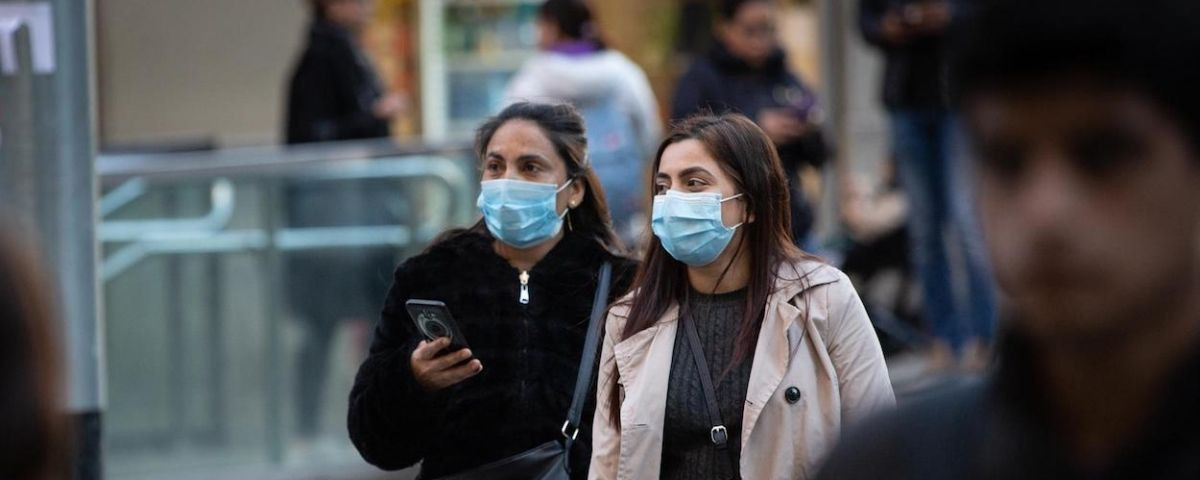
[[433, 320]]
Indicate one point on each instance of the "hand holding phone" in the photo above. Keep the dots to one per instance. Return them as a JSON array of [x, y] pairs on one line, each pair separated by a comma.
[[435, 370], [442, 359]]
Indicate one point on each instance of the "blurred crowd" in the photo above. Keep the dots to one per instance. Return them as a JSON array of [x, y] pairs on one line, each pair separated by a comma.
[[645, 294]]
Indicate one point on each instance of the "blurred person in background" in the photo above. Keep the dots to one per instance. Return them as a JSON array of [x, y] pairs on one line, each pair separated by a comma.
[[1086, 121], [334, 95], [612, 93], [520, 285], [33, 428], [927, 141], [746, 72], [737, 355]]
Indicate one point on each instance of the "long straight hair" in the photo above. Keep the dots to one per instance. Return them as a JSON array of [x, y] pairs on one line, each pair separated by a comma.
[[746, 155]]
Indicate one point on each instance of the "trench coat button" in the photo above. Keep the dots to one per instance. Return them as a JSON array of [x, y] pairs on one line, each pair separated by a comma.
[[792, 394]]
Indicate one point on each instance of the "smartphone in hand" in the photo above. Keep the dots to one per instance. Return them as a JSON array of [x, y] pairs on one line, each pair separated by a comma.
[[433, 320]]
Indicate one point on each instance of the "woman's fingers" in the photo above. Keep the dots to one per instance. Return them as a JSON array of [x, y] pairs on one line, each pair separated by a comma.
[[445, 362], [426, 350], [462, 372]]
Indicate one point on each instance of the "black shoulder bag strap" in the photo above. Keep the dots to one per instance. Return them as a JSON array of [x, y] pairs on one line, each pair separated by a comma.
[[587, 362], [719, 435]]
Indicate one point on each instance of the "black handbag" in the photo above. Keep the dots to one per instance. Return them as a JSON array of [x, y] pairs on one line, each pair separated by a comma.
[[552, 460]]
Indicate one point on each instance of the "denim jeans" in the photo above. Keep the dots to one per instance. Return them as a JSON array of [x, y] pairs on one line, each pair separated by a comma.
[[934, 169]]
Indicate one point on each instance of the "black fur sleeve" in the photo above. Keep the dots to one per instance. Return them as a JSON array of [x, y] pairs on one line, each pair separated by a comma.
[[390, 415]]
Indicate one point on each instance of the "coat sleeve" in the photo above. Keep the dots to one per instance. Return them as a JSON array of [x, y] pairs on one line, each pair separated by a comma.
[[526, 85], [644, 108], [390, 416], [857, 357], [606, 437]]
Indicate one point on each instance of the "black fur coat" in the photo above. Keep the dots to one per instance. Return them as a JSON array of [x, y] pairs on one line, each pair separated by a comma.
[[530, 354]]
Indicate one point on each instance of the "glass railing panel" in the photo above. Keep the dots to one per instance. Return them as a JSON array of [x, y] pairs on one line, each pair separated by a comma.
[[239, 301]]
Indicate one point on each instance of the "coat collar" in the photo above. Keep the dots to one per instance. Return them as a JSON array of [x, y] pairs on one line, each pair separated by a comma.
[[791, 279]]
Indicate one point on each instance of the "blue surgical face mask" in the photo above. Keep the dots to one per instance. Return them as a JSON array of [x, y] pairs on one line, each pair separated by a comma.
[[520, 214], [689, 226]]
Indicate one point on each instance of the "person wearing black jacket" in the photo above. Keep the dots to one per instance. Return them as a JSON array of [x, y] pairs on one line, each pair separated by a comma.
[[334, 93], [746, 72], [520, 285], [930, 155], [1086, 120]]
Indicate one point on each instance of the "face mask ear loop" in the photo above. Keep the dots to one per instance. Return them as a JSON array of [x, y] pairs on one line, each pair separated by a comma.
[[565, 185], [568, 210], [735, 227], [723, 200]]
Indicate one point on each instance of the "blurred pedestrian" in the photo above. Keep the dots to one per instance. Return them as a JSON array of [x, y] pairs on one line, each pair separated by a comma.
[[334, 95], [737, 355], [520, 285], [746, 72], [33, 435], [912, 34], [1086, 120], [614, 96]]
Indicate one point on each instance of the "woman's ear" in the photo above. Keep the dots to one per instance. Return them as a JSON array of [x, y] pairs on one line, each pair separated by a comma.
[[578, 190]]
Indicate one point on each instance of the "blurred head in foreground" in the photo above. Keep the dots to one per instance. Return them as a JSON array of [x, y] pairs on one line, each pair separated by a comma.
[[1085, 117], [1085, 121], [31, 422]]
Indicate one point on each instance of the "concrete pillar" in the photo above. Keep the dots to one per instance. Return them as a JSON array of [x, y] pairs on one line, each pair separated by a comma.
[[47, 180]]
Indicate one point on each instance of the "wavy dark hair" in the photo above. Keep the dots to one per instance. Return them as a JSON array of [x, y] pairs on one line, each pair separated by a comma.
[[744, 153], [563, 126], [34, 441]]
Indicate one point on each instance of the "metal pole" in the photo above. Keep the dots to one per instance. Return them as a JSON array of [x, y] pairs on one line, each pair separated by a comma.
[[47, 182]]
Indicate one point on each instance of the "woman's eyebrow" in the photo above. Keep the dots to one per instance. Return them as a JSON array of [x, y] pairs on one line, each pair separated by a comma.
[[693, 171], [532, 156]]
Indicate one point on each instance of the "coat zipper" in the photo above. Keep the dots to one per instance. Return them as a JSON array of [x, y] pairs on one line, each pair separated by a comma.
[[524, 277]]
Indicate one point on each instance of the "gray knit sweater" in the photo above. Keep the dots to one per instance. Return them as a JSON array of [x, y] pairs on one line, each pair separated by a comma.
[[688, 452]]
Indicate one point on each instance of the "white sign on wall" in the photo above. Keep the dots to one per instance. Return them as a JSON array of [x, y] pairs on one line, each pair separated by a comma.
[[39, 20]]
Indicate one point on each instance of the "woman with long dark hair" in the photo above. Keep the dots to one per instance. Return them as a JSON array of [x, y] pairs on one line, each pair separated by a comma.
[[520, 286], [736, 355], [746, 71], [33, 435]]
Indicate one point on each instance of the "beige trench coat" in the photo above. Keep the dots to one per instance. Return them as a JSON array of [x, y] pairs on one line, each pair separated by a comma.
[[815, 336]]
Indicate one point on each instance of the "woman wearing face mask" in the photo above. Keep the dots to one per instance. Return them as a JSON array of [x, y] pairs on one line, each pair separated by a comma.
[[746, 71], [736, 355], [520, 286]]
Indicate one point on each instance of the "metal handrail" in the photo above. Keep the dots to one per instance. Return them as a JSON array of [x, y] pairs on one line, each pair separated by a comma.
[[209, 233], [270, 160], [221, 196]]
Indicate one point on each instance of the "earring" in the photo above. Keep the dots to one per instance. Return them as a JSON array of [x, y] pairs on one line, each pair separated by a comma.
[[570, 228]]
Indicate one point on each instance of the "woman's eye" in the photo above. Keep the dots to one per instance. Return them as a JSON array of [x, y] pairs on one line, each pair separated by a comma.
[[492, 166], [532, 168], [695, 182], [660, 189]]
